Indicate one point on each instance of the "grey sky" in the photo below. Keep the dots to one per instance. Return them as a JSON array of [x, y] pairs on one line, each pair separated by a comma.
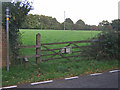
[[90, 11]]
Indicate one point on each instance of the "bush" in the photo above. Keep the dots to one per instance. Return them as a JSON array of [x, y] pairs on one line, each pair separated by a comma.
[[104, 46]]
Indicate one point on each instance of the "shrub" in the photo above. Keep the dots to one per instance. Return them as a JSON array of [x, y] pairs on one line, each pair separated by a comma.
[[104, 46]]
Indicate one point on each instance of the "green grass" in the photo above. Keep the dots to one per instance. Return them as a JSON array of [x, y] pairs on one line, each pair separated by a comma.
[[54, 69], [50, 36]]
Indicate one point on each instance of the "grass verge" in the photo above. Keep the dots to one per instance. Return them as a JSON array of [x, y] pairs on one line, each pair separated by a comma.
[[55, 69]]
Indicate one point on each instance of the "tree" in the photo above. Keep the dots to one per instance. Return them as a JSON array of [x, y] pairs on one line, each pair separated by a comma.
[[32, 21], [80, 22], [68, 20], [104, 22], [116, 24], [87, 27], [104, 25], [18, 12], [80, 25], [55, 24], [100, 26], [40, 22], [47, 22], [68, 24]]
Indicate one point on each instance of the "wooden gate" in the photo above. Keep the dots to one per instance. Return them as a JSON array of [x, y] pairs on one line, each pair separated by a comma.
[[61, 51]]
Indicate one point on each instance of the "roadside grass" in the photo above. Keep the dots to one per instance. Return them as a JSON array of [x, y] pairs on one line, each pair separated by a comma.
[[55, 69]]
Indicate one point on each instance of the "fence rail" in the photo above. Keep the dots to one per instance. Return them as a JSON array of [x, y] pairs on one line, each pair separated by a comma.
[[39, 45], [70, 42], [30, 46]]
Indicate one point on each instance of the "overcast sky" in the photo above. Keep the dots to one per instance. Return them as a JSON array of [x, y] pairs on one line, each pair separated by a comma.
[[90, 11]]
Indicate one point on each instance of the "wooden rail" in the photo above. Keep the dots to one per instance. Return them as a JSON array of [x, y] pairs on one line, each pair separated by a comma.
[[64, 42], [31, 46]]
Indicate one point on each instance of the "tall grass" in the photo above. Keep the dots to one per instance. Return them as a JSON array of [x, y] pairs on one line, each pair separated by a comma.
[[54, 70]]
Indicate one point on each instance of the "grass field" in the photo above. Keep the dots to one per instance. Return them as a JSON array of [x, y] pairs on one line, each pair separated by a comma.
[[49, 36], [54, 69]]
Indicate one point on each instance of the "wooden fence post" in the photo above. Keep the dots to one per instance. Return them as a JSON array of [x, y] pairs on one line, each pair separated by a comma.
[[38, 49]]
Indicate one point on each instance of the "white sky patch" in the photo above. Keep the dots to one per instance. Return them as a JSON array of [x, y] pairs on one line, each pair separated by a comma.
[[90, 11]]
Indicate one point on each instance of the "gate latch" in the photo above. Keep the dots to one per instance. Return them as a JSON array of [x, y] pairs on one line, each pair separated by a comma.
[[66, 50]]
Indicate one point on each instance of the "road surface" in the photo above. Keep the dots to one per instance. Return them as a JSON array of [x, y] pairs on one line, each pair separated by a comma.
[[104, 80]]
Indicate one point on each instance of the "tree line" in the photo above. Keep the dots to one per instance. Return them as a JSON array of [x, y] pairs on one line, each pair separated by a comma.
[[47, 22]]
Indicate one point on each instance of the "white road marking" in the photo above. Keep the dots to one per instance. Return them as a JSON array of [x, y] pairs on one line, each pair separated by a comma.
[[95, 74], [71, 78], [42, 82], [114, 71], [9, 87]]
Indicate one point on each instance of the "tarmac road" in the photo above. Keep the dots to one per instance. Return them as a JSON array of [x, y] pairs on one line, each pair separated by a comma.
[[105, 80]]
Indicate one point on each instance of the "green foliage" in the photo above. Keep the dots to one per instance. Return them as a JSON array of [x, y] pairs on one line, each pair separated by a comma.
[[105, 25], [40, 22], [116, 24], [18, 11], [68, 24], [68, 20], [105, 46], [81, 22]]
